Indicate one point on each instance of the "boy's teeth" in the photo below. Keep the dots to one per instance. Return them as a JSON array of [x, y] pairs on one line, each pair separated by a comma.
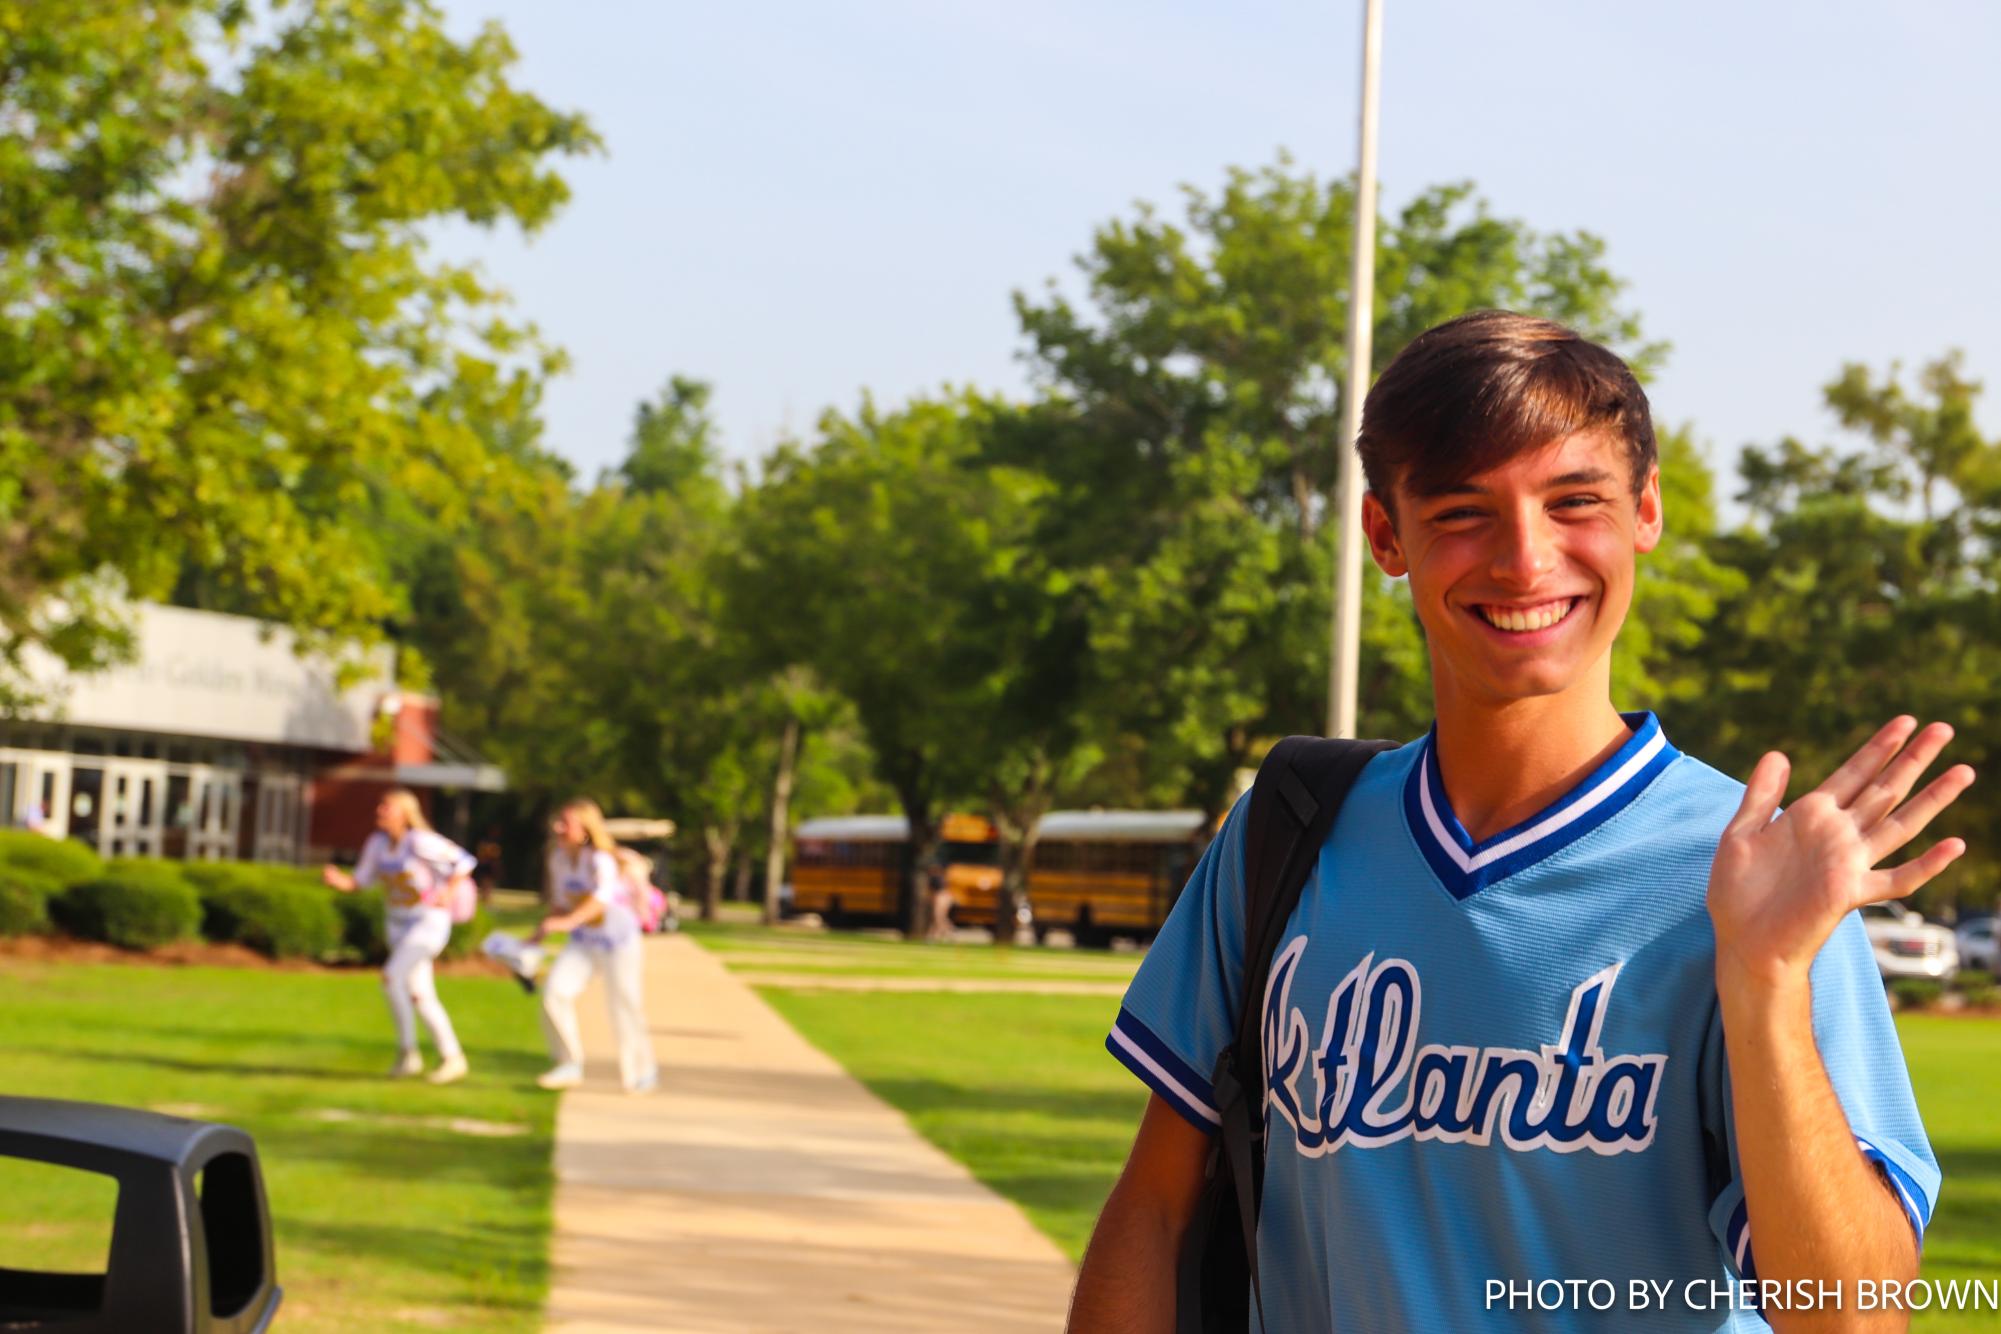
[[1530, 618]]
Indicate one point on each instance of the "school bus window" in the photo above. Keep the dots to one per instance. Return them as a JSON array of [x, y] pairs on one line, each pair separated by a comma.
[[1056, 856], [970, 854]]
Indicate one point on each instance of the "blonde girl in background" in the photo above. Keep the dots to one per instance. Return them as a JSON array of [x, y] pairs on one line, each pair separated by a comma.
[[588, 897], [417, 868]]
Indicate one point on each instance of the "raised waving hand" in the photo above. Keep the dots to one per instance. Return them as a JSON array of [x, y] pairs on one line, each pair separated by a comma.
[[1778, 887]]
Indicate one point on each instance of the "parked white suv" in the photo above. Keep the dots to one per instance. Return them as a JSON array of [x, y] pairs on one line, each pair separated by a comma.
[[1907, 945]]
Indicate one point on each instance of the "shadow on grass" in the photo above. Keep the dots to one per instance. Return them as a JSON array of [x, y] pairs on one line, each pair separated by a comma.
[[184, 1065], [1063, 1106], [516, 1251], [516, 1165], [343, 1059], [1969, 1202]]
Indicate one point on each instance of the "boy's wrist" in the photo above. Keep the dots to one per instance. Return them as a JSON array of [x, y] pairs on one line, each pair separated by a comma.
[[1761, 985]]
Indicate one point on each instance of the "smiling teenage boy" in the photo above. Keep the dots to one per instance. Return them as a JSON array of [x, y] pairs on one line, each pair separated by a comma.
[[1495, 1028]]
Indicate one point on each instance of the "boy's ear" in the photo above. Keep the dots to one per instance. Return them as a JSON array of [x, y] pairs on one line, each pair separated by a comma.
[[1651, 519], [1381, 531]]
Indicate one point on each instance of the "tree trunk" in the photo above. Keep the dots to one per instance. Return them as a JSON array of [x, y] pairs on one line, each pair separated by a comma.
[[1017, 819], [1304, 493], [921, 846], [781, 819], [1016, 854], [746, 867], [716, 842]]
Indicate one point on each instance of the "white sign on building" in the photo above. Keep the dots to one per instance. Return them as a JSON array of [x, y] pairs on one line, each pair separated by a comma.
[[204, 674]]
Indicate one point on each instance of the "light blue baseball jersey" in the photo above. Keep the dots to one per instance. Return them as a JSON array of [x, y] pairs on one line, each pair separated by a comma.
[[1503, 1060]]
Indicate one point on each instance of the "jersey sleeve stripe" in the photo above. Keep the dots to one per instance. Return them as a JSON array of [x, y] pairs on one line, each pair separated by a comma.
[[1163, 1072], [1916, 1207], [1739, 1242]]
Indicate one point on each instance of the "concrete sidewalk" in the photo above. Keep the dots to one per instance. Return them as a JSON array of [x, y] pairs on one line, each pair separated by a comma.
[[763, 1189]]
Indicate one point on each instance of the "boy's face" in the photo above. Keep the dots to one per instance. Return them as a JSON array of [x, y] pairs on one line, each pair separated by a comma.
[[1522, 575]]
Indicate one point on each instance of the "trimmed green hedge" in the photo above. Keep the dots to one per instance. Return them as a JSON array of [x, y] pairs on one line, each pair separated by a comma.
[[363, 930], [278, 921], [210, 877], [62, 860], [467, 935], [1916, 993], [24, 901], [282, 912], [136, 904]]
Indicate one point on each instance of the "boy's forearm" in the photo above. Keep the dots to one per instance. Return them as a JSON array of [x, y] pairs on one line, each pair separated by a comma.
[[1819, 1211], [1127, 1282]]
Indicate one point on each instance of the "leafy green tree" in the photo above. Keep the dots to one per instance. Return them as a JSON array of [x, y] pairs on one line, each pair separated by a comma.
[[1229, 327], [674, 446], [692, 730], [504, 614], [1205, 374], [1852, 606], [1679, 588], [223, 327], [878, 559], [1930, 442]]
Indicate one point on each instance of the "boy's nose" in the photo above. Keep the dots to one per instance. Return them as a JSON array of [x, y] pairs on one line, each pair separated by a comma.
[[1525, 552]]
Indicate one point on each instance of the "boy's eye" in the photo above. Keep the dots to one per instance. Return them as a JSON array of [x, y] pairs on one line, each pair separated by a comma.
[[1576, 502]]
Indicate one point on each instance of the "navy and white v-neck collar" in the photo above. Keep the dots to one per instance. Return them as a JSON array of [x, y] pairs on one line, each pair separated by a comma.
[[1464, 867]]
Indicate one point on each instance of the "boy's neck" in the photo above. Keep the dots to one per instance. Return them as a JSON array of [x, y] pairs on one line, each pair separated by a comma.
[[1503, 762]]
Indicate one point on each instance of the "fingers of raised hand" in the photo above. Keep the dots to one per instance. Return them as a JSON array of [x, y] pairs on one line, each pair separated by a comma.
[[1880, 796], [1868, 761], [1900, 881], [1905, 823], [1762, 793]]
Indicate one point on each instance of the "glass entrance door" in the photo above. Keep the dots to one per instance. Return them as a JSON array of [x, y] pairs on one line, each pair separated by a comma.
[[280, 829], [215, 805], [42, 803], [135, 808]]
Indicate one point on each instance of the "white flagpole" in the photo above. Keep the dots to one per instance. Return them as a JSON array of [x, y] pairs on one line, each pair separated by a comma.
[[1342, 703]]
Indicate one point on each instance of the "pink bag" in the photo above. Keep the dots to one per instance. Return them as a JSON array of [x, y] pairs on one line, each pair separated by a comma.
[[650, 903], [461, 899]]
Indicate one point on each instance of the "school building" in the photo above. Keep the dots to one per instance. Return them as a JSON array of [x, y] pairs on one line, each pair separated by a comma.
[[218, 741]]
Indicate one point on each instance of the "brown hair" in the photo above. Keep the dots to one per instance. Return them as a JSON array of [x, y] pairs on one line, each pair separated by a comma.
[[1478, 390]]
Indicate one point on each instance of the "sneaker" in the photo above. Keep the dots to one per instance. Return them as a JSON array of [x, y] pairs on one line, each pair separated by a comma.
[[450, 1070], [645, 1084], [565, 1076], [408, 1063]]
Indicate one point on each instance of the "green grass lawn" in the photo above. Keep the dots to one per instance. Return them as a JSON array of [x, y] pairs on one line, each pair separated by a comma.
[[397, 1206], [758, 949], [1956, 1067]]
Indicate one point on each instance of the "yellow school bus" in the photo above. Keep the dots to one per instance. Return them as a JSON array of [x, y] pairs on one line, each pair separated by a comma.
[[852, 868], [1099, 874]]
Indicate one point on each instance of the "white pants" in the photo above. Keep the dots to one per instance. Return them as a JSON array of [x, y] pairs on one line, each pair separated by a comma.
[[406, 978], [622, 966]]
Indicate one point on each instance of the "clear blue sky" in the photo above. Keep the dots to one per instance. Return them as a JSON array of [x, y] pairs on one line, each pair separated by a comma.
[[801, 199]]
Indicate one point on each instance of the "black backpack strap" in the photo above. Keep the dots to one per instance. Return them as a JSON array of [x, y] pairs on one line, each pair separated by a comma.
[[1294, 802]]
